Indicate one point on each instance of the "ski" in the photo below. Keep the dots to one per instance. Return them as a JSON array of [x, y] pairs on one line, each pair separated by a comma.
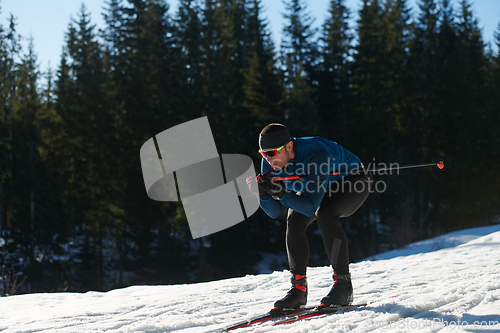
[[271, 315], [288, 316], [315, 312]]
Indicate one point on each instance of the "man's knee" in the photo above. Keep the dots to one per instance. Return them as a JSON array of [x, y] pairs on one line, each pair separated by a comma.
[[296, 225]]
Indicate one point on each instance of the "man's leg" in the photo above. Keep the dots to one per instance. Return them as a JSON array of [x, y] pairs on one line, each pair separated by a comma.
[[297, 248], [343, 201], [336, 204], [335, 242], [297, 245]]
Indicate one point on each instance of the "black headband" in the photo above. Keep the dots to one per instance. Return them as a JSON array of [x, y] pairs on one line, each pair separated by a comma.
[[274, 140]]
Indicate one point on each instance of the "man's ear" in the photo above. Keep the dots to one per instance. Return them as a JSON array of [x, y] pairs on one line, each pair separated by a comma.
[[289, 145]]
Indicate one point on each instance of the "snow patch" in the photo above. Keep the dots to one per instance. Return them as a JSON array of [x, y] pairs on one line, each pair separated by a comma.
[[453, 288]]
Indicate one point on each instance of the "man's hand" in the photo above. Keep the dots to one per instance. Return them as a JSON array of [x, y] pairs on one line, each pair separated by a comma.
[[258, 186], [275, 188]]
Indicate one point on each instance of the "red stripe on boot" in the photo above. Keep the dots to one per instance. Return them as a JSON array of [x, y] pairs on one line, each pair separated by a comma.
[[299, 287]]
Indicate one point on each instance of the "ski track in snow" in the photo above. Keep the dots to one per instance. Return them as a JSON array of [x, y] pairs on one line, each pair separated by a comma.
[[455, 289]]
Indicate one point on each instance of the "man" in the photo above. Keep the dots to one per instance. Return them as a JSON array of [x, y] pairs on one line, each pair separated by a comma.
[[321, 196]]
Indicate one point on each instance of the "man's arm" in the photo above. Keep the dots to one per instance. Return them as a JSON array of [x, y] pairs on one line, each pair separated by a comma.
[[315, 187]]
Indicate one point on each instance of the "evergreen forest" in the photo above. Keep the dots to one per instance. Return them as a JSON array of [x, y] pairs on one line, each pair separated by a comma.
[[400, 85]]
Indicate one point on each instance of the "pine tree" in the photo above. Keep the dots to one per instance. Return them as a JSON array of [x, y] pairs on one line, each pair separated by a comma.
[[3, 148], [224, 50], [26, 109], [299, 61], [368, 76], [15, 252], [27, 225], [472, 119], [263, 83], [397, 39], [190, 38], [382, 106], [88, 121], [424, 67], [423, 113], [115, 37], [13, 49], [50, 216], [408, 207], [334, 75], [494, 98], [496, 72], [41, 230]]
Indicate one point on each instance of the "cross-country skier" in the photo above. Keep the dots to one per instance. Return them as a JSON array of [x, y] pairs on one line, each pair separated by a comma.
[[322, 197]]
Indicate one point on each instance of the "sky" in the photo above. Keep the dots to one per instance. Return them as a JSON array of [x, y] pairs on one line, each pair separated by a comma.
[[47, 20]]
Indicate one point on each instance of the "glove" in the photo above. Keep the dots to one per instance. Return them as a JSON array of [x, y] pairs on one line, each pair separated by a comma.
[[265, 187], [275, 188], [258, 187]]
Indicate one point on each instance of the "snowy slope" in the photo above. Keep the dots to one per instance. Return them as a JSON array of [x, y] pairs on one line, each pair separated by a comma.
[[455, 289], [451, 239]]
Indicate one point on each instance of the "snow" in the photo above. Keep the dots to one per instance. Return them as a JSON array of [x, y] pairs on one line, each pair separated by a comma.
[[451, 289], [451, 239]]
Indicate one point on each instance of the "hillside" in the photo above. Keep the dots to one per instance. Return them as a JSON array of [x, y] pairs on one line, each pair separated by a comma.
[[433, 291]]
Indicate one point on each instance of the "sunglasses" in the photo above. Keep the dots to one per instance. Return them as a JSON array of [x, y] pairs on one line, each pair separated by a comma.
[[271, 151]]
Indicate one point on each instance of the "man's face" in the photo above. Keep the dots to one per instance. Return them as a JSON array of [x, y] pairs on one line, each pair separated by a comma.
[[280, 160]]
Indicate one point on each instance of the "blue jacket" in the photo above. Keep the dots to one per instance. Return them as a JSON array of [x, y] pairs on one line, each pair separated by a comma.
[[316, 157]]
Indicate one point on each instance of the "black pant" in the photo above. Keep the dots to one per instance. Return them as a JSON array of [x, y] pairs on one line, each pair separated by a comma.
[[342, 200]]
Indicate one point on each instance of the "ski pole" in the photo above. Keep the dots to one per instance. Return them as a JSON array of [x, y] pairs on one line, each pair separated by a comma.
[[440, 165]]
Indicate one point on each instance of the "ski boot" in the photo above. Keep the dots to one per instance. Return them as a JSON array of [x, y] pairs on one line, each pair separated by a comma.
[[341, 292], [296, 297]]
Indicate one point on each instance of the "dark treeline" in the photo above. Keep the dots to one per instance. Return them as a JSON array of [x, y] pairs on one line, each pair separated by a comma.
[[399, 86]]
